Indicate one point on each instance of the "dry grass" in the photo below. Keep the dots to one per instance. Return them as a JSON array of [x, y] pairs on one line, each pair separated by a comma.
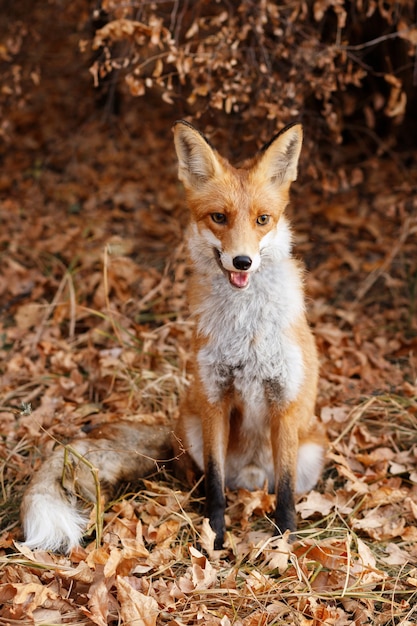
[[354, 561]]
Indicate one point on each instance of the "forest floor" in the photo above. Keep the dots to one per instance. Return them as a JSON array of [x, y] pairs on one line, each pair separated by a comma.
[[94, 328]]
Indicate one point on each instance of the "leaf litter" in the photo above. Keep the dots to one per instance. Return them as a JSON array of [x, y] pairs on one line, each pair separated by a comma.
[[94, 328]]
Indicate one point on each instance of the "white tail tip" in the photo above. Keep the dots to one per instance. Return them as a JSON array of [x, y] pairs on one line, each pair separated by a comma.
[[309, 466], [51, 524]]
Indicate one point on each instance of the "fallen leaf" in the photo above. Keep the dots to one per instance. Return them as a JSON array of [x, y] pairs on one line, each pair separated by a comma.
[[207, 537], [135, 607], [396, 555], [277, 553], [47, 616], [29, 316], [98, 605], [314, 503], [203, 573], [112, 562]]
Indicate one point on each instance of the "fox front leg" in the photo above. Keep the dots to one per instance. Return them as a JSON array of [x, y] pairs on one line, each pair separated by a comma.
[[215, 502], [215, 440], [285, 515], [284, 437]]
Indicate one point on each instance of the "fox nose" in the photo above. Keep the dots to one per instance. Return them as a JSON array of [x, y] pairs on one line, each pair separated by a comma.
[[242, 262]]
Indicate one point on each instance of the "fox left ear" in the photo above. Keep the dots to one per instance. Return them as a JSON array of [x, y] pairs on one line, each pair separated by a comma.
[[197, 160], [278, 160]]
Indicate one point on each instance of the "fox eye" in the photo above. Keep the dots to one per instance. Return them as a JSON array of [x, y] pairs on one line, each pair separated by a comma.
[[262, 220], [218, 218]]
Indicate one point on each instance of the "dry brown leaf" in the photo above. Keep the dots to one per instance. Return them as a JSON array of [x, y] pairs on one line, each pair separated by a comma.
[[396, 555], [98, 605], [135, 607], [47, 616], [381, 524], [134, 548], [29, 316], [409, 534], [97, 556], [203, 574], [82, 573], [384, 495], [112, 563], [338, 413], [163, 533], [7, 592], [32, 596], [277, 553], [258, 582], [314, 503], [259, 502], [207, 537]]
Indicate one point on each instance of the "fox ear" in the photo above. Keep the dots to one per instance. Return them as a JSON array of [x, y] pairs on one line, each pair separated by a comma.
[[197, 160], [279, 158]]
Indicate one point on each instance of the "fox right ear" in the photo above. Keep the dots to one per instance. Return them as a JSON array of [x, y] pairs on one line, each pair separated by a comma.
[[278, 160], [197, 160]]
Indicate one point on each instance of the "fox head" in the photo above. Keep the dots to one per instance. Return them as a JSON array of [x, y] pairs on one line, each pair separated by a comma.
[[236, 214]]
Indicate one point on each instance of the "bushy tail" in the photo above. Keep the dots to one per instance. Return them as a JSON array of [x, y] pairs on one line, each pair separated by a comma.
[[53, 509]]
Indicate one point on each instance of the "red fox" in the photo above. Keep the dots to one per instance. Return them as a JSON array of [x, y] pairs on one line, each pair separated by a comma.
[[248, 419]]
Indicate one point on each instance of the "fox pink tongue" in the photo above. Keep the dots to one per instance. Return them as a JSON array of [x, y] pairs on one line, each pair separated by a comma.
[[239, 279]]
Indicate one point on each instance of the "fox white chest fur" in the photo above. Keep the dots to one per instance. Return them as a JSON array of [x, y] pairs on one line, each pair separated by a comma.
[[249, 333]]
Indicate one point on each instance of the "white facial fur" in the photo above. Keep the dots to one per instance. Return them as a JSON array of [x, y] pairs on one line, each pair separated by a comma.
[[276, 244]]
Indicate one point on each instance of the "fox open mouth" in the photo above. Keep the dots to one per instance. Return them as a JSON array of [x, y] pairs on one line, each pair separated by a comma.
[[239, 280]]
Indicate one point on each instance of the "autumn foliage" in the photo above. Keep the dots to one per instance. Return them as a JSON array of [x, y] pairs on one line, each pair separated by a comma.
[[93, 311], [337, 63]]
